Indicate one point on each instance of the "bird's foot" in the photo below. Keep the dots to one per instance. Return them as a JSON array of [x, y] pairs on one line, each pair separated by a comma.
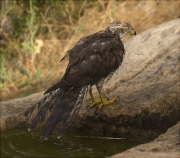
[[107, 102], [101, 101], [95, 102]]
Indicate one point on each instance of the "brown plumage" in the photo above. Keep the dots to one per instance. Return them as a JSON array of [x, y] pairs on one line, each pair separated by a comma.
[[91, 60]]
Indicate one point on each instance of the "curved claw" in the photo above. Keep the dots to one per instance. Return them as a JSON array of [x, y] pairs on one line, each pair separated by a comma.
[[106, 98], [107, 102], [101, 100]]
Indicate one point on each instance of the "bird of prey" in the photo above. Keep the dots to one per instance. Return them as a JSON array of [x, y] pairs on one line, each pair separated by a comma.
[[93, 59]]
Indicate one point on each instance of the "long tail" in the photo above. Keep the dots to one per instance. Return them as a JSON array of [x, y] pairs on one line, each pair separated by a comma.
[[61, 107]]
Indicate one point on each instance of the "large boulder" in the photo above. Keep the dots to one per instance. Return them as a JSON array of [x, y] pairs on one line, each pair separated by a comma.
[[146, 84], [165, 146]]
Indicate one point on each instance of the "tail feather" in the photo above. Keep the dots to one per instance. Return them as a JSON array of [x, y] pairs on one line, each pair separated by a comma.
[[39, 104], [41, 116], [66, 123], [63, 107], [56, 116], [42, 106]]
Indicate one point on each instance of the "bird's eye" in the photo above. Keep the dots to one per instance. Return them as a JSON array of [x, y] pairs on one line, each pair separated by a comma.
[[123, 30]]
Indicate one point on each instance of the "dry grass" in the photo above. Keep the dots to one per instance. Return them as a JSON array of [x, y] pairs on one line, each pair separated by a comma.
[[142, 15]]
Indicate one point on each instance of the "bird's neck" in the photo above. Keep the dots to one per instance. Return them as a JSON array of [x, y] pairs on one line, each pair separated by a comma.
[[116, 35]]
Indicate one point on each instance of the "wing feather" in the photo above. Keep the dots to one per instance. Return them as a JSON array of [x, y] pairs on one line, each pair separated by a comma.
[[92, 58]]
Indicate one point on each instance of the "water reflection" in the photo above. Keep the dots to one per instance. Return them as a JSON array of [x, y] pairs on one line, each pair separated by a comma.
[[19, 143]]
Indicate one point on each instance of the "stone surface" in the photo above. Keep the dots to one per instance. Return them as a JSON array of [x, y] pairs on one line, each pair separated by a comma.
[[11, 114], [147, 86], [165, 146]]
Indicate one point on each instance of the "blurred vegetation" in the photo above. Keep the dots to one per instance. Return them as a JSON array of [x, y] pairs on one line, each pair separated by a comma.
[[21, 22], [35, 34]]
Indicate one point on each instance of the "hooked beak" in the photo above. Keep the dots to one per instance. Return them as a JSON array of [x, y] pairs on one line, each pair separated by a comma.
[[132, 32]]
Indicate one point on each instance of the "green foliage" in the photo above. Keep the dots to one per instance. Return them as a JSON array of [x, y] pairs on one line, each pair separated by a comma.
[[28, 17], [32, 28], [9, 77], [36, 3], [38, 75], [29, 92], [5, 75], [24, 84], [23, 71], [49, 73], [79, 29]]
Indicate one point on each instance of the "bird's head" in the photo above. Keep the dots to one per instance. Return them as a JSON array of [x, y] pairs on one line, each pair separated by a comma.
[[121, 28]]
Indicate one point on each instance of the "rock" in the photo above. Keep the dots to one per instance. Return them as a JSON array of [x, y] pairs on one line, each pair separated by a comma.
[[165, 146], [147, 87], [146, 84], [11, 114]]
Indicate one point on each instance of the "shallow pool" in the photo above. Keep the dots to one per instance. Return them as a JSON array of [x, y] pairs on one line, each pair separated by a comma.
[[19, 143]]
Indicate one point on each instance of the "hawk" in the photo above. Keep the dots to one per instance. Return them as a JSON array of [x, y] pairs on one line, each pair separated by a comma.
[[93, 59]]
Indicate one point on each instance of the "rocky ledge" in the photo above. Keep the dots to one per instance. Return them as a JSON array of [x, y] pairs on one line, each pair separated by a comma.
[[147, 87], [165, 146]]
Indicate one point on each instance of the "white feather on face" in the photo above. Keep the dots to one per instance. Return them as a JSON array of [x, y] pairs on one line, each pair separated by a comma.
[[122, 29]]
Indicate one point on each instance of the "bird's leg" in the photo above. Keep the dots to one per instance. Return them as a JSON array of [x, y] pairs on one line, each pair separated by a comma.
[[101, 100], [94, 102], [99, 86]]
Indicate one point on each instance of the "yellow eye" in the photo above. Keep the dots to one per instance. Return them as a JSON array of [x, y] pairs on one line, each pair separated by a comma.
[[123, 30]]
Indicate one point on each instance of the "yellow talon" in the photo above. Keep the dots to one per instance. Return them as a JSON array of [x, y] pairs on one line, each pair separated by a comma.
[[106, 102], [101, 100], [94, 102]]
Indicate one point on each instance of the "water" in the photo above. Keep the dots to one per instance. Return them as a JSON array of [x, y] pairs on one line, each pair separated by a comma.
[[19, 143]]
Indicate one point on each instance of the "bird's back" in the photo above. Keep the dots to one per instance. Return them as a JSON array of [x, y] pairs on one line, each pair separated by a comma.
[[92, 58]]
